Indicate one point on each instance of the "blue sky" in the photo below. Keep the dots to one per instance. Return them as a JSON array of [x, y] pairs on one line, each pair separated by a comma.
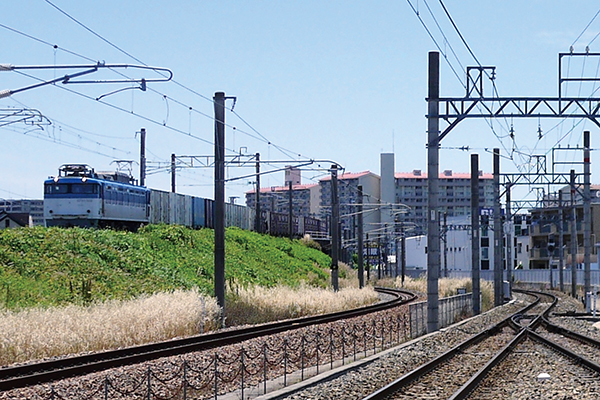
[[336, 80]]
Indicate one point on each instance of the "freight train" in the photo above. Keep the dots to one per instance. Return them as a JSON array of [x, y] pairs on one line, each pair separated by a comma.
[[80, 196]]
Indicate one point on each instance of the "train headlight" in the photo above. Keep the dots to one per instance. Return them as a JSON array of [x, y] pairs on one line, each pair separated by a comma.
[[56, 179], [84, 179]]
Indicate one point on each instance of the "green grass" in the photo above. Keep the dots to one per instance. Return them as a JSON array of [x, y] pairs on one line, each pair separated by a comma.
[[56, 266]]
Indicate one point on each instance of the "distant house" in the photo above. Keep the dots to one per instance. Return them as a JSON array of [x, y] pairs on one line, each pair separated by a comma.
[[14, 220]]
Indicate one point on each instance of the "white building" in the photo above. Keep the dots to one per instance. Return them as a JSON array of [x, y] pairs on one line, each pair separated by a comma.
[[455, 249]]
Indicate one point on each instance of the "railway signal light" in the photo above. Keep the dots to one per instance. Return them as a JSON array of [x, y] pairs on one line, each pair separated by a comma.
[[551, 243]]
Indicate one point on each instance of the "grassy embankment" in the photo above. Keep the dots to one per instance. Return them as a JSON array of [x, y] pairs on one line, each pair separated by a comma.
[[71, 290]]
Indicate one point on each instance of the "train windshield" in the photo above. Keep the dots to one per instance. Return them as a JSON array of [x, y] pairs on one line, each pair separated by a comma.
[[72, 188]]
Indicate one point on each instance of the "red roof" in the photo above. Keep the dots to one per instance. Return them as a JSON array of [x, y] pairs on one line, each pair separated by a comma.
[[347, 175], [442, 175], [283, 188]]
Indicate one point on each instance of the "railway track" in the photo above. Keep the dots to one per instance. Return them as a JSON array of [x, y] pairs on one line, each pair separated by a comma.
[[14, 377], [490, 364], [439, 378]]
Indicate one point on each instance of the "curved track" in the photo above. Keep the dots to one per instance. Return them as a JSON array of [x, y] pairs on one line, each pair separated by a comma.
[[439, 377], [467, 368], [47, 371]]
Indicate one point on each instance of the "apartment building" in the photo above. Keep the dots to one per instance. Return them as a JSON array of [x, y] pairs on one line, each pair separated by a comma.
[[305, 199], [546, 224], [455, 194], [348, 199]]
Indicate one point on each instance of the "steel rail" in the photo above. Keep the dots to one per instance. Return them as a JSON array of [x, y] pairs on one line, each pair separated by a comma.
[[476, 379], [550, 327], [466, 389], [417, 373], [539, 317], [46, 371], [579, 359]]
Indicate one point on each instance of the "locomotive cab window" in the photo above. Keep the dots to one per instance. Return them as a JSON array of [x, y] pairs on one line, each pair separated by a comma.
[[57, 188], [84, 188]]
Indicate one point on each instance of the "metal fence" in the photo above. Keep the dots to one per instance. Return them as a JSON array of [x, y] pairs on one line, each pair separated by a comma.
[[245, 369], [451, 310], [532, 276]]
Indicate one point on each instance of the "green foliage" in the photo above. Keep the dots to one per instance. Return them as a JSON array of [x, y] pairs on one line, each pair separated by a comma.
[[55, 266]]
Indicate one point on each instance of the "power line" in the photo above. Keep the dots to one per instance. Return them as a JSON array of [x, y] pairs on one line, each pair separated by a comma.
[[585, 29], [434, 41], [283, 150]]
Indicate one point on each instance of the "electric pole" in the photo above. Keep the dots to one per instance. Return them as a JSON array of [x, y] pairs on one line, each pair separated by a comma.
[[445, 241], [475, 234], [143, 157], [561, 252], [290, 210], [403, 250], [361, 268], [173, 174], [587, 216], [509, 242], [219, 101], [433, 167], [498, 234], [335, 210], [257, 222], [573, 237]]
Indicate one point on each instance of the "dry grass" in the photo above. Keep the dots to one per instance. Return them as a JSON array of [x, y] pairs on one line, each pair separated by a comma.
[[258, 305], [41, 333], [447, 287]]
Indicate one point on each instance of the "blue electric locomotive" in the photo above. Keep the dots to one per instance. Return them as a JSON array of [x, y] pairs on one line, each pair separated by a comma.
[[79, 196]]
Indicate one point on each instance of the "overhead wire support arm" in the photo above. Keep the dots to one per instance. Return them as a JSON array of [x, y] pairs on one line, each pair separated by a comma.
[[28, 116], [476, 105], [87, 69]]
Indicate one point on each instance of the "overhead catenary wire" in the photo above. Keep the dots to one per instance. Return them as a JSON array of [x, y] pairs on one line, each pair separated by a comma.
[[163, 96], [283, 150]]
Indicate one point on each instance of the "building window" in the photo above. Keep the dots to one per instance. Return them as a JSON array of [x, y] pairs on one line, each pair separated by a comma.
[[485, 264], [485, 253]]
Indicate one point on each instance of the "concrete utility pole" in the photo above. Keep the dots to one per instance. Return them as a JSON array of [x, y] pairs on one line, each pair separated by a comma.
[[403, 250], [361, 268], [143, 157], [509, 242], [445, 240], [498, 234], [395, 275], [290, 210], [587, 215], [561, 252], [475, 233], [335, 212], [257, 220], [573, 237], [219, 101], [173, 160], [368, 246], [433, 226]]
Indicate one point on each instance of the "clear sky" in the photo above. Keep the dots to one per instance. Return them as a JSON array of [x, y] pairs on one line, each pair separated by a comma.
[[329, 80]]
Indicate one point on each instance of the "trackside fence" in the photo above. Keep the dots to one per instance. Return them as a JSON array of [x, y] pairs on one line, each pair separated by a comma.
[[250, 370], [451, 310]]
